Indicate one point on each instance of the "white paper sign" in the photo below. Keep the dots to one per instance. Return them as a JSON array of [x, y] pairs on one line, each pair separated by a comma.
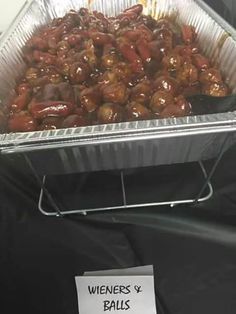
[[116, 294], [134, 271]]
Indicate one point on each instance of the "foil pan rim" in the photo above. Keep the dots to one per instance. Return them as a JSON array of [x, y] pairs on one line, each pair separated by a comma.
[[158, 128], [215, 16]]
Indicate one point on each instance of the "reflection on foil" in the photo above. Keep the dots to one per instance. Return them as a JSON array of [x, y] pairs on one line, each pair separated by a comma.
[[143, 2], [90, 2]]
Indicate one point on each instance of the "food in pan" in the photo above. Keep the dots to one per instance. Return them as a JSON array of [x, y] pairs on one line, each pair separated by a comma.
[[87, 69]]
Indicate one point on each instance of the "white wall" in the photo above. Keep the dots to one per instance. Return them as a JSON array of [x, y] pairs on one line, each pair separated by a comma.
[[8, 10]]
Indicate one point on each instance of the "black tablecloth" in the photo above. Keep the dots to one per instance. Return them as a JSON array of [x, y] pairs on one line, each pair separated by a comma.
[[193, 249]]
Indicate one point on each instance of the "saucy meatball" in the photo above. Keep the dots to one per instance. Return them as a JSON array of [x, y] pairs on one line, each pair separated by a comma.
[[116, 93], [215, 89], [187, 74], [167, 84], [183, 104], [79, 72], [210, 76], [141, 93], [172, 62], [107, 78], [109, 58], [32, 74], [181, 108], [136, 111], [90, 98], [123, 71], [201, 62], [109, 113], [160, 100]]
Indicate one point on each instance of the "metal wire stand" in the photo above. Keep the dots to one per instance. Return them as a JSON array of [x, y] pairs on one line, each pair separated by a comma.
[[58, 211]]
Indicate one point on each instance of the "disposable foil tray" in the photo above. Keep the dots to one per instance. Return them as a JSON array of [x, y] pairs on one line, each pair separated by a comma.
[[129, 144]]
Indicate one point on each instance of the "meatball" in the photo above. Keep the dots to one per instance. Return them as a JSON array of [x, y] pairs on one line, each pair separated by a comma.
[[136, 111], [172, 61], [122, 71], [164, 34], [187, 75], [51, 74], [32, 74], [63, 46], [171, 111], [55, 78], [116, 93], [79, 72], [215, 89], [180, 109], [159, 48], [210, 76], [109, 60], [160, 100], [109, 113], [65, 66], [141, 93], [90, 98], [182, 103], [166, 84], [108, 77], [87, 56], [201, 62]]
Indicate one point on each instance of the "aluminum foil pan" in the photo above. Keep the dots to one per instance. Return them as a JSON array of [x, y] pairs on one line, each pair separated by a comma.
[[129, 144]]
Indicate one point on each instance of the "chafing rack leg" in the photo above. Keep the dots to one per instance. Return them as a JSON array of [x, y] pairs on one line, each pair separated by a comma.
[[58, 211], [212, 172]]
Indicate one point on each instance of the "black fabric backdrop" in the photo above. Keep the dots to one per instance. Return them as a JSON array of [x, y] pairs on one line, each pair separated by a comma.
[[193, 249]]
